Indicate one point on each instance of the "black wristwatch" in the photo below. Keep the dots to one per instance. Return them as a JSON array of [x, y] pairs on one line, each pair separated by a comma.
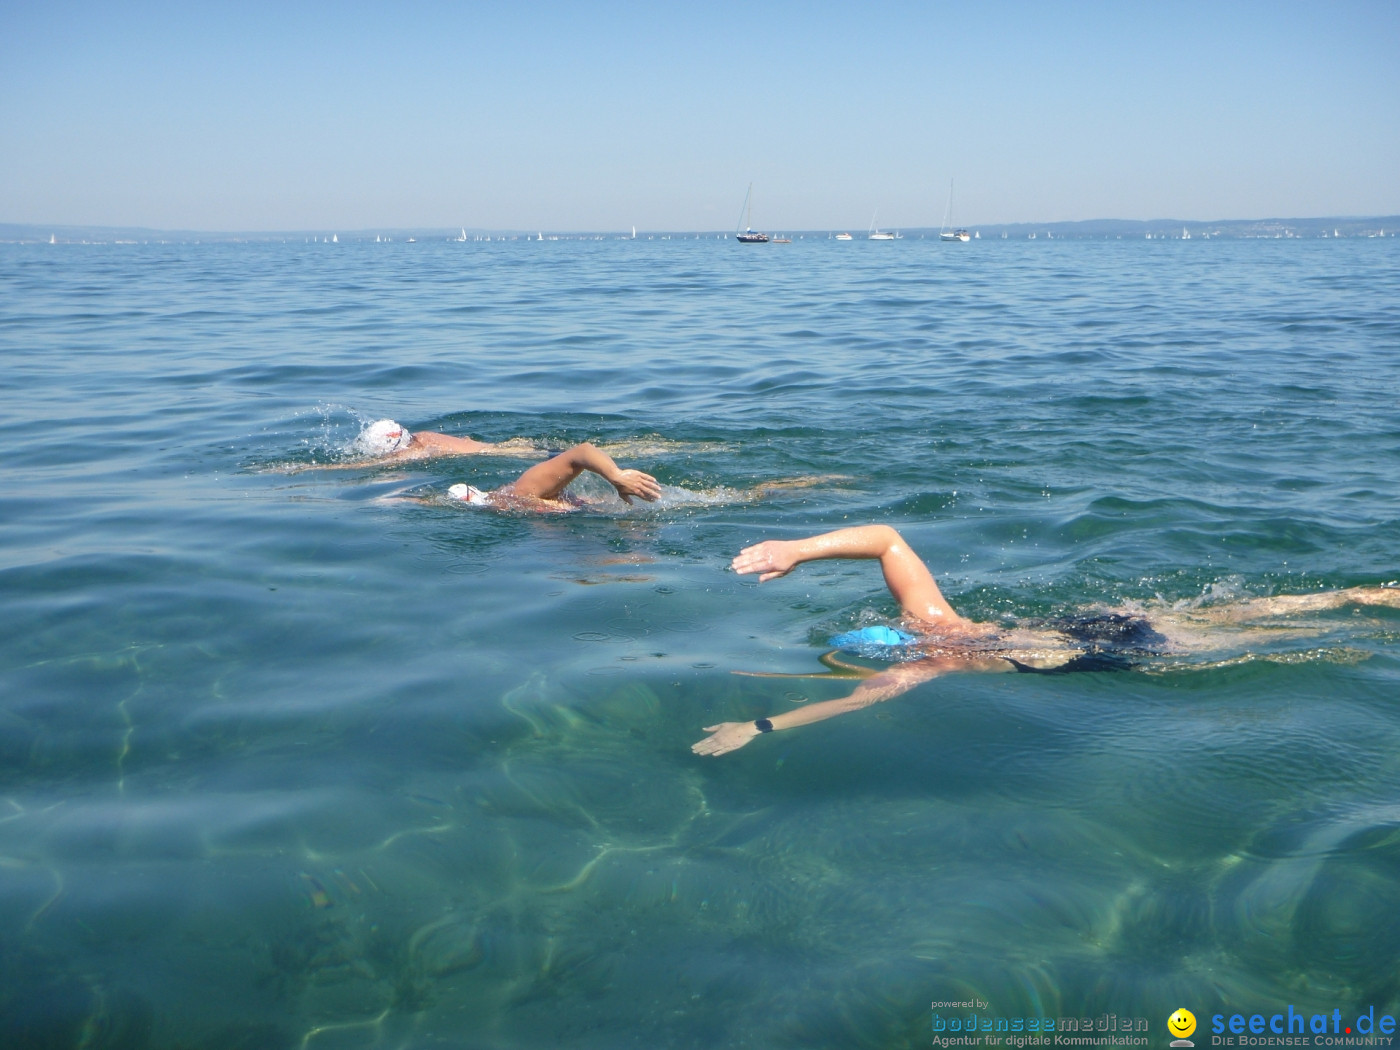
[[763, 725]]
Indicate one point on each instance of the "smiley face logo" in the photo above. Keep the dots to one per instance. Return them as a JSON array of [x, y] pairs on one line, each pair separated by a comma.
[[1182, 1023]]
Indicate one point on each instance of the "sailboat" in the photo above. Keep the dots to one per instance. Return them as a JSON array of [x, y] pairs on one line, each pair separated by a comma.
[[750, 235], [946, 234], [875, 232]]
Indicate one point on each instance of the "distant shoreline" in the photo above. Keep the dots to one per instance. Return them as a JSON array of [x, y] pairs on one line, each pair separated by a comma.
[[1089, 229]]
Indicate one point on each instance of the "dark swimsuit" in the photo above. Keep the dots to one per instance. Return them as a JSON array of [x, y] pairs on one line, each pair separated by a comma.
[[1111, 642]]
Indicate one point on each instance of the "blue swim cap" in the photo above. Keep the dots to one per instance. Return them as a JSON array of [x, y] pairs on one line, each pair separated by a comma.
[[878, 635]]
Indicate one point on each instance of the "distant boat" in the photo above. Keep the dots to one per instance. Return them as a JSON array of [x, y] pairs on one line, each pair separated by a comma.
[[463, 236], [843, 237], [876, 234], [945, 234], [782, 240], [750, 235], [53, 238]]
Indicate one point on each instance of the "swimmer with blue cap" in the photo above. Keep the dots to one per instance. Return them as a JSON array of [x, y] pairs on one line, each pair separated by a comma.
[[943, 642], [866, 637], [924, 607]]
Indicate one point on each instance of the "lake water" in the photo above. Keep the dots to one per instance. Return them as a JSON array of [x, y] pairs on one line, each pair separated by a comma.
[[288, 762]]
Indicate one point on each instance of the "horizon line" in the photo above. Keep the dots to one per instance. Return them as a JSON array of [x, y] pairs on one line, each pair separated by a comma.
[[516, 231]]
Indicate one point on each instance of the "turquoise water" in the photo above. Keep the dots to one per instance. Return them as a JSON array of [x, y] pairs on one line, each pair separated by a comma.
[[286, 761]]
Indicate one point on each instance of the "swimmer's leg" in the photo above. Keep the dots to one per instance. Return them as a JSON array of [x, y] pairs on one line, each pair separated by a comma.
[[1291, 604], [839, 669], [807, 481]]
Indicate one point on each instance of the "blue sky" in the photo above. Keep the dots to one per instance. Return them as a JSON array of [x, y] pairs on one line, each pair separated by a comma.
[[578, 116]]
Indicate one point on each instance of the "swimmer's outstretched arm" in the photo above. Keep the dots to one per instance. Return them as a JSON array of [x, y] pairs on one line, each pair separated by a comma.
[[730, 736], [548, 480], [906, 575]]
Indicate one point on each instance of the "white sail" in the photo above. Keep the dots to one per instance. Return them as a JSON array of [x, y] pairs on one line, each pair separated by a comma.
[[946, 234], [750, 235]]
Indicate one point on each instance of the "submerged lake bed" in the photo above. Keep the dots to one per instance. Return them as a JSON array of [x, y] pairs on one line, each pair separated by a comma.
[[298, 751]]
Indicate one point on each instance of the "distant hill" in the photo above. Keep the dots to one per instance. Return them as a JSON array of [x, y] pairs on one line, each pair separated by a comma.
[[1177, 229]]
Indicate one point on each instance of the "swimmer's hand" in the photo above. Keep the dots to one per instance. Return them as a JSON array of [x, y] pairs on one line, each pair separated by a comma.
[[631, 483], [771, 559], [725, 737]]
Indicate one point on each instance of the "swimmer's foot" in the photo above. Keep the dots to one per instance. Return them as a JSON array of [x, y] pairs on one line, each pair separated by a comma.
[[1387, 594], [806, 481]]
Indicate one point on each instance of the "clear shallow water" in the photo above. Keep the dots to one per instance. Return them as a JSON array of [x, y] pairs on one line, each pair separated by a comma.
[[285, 763]]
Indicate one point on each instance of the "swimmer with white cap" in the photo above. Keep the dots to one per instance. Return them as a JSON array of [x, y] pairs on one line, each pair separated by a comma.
[[385, 439], [541, 488]]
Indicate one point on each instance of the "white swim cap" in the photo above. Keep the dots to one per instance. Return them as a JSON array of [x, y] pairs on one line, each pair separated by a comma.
[[382, 437], [469, 494]]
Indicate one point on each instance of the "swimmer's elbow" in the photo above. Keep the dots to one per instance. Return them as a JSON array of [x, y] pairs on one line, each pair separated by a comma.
[[864, 697], [886, 687], [583, 454], [887, 538]]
